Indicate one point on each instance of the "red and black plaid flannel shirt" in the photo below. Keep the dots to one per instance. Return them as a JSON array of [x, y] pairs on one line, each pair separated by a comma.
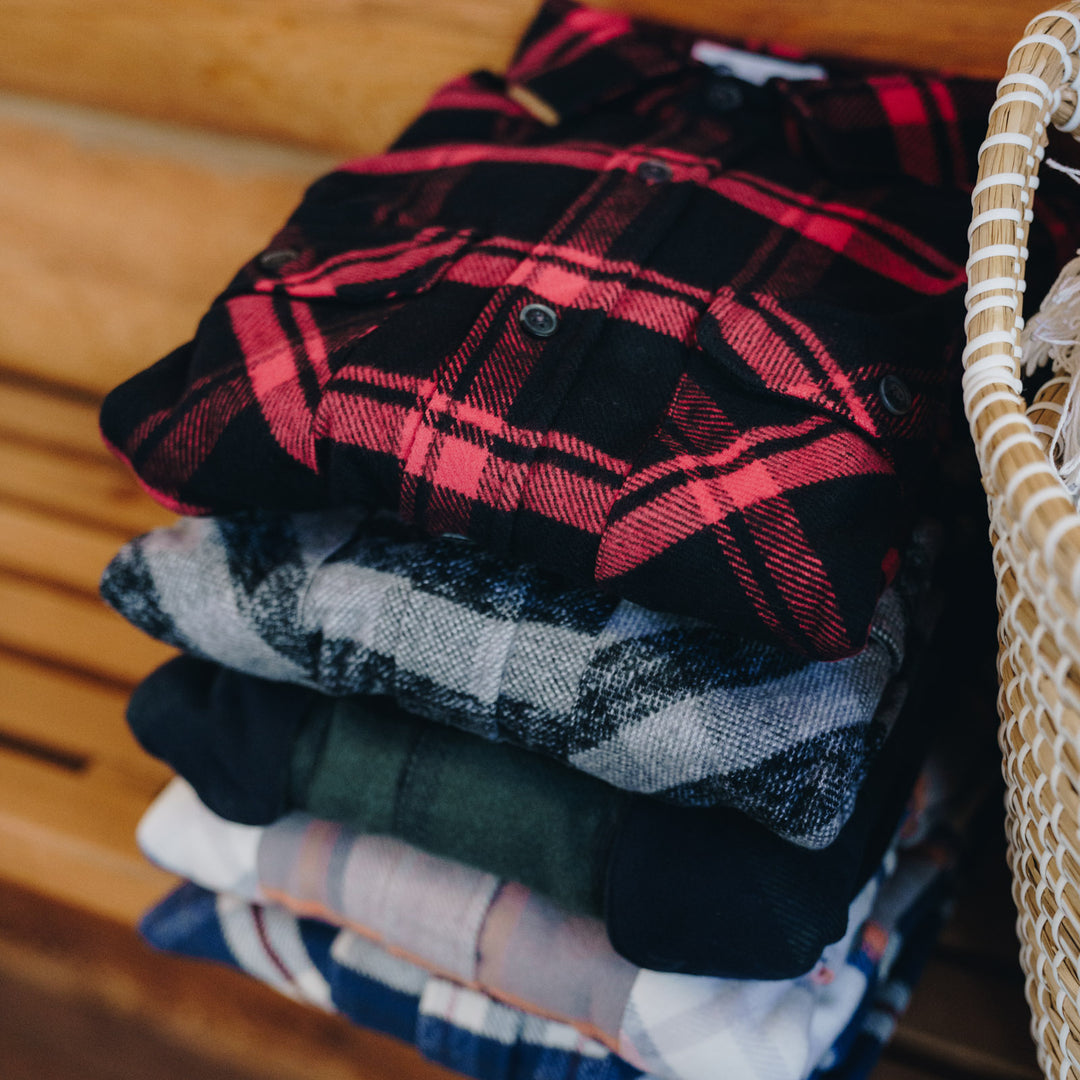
[[735, 380]]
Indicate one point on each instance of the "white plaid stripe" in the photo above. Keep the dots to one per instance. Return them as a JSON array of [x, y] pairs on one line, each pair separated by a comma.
[[267, 944]]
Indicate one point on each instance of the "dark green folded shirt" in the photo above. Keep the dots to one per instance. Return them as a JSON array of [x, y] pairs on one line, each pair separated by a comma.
[[364, 762]]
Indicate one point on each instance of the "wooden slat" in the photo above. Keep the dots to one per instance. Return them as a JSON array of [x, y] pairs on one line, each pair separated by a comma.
[[178, 1009], [52, 549], [117, 234], [70, 836], [348, 76], [74, 630], [323, 73], [49, 1035], [73, 713], [95, 490], [47, 416]]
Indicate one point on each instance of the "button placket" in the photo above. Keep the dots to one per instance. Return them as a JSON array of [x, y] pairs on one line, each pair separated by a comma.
[[472, 467]]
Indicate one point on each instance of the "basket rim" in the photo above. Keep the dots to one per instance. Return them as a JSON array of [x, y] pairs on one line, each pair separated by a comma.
[[1027, 495]]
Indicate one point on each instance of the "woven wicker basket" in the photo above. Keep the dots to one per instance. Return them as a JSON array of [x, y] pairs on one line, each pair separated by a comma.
[[1035, 530]]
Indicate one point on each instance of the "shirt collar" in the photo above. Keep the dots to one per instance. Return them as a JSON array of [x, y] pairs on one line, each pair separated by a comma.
[[863, 117], [574, 57]]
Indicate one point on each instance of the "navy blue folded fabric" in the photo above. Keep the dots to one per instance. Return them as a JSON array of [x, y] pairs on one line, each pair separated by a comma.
[[235, 735]]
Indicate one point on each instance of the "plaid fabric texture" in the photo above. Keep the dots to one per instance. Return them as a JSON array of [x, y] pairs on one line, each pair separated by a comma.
[[736, 381], [500, 938], [333, 970], [651, 703], [676, 1027]]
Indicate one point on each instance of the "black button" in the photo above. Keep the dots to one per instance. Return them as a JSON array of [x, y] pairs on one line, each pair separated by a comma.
[[724, 95], [539, 320], [654, 172], [276, 258], [895, 395]]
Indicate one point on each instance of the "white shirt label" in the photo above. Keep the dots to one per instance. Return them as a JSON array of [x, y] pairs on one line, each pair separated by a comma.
[[752, 67]]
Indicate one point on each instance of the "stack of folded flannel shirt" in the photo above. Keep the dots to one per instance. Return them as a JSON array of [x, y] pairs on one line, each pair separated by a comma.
[[556, 580]]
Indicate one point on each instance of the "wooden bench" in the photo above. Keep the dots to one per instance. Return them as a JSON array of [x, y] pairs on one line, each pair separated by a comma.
[[149, 147]]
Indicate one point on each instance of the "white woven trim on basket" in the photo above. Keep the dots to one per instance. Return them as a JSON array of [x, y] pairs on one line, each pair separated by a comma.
[[1055, 406], [998, 367], [992, 251], [976, 409], [987, 304], [1040, 656], [1047, 429], [1069, 17], [991, 337], [1055, 608], [1045, 103], [1061, 669], [1046, 405], [1008, 283], [1024, 435], [1054, 535], [1026, 472], [1034, 502], [1054, 331], [1074, 581], [1065, 444], [998, 424], [1017, 180], [1070, 124], [1000, 213], [983, 404], [1020, 95], [1073, 121], [1044, 430], [1054, 43], [1052, 96], [1008, 138]]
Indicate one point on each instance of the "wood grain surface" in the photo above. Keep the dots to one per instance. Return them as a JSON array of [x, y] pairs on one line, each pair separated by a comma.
[[118, 233], [346, 76], [81, 997]]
